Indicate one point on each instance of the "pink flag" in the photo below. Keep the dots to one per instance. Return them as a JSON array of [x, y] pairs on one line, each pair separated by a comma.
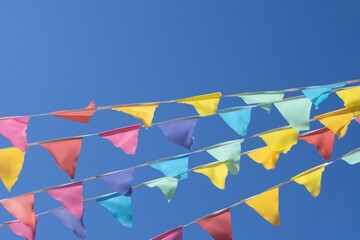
[[218, 225], [14, 129], [66, 153], [82, 116], [323, 139], [71, 196], [358, 120], [22, 208], [23, 230], [125, 138], [173, 234]]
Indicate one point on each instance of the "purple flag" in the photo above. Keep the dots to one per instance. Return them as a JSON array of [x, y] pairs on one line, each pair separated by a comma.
[[121, 181], [180, 132], [71, 222]]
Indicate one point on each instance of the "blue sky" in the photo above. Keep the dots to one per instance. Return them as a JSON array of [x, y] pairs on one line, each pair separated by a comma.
[[61, 55]]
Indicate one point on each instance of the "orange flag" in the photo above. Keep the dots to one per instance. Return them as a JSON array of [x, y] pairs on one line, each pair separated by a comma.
[[323, 139], [82, 116], [22, 208], [218, 225], [337, 121], [66, 153]]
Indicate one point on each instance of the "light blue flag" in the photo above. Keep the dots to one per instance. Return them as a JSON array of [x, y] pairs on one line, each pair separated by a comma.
[[353, 157], [119, 206], [319, 95], [173, 167], [237, 120]]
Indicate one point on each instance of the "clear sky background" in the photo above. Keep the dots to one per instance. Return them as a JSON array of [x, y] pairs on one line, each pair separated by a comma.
[[62, 54]]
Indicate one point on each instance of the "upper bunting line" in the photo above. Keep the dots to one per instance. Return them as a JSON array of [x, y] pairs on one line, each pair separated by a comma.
[[174, 100]]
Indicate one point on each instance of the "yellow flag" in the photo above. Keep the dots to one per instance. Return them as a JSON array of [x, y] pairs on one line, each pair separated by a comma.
[[143, 112], [311, 179], [265, 156], [11, 162], [351, 98], [281, 140], [267, 205], [204, 104], [216, 172], [337, 121]]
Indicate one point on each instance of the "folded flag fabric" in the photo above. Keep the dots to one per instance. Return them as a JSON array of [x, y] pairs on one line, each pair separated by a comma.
[[11, 163], [205, 105], [70, 221], [173, 234], [144, 112], [218, 225], [82, 116], [238, 120], [14, 129]]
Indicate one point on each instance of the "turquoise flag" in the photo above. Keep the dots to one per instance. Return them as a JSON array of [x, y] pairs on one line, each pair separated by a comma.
[[167, 186], [176, 167], [237, 120], [119, 206], [263, 99], [319, 95], [353, 157], [229, 154]]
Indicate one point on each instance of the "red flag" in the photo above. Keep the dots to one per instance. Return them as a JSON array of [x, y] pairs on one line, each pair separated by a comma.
[[173, 234], [218, 225], [82, 116], [323, 139], [66, 153]]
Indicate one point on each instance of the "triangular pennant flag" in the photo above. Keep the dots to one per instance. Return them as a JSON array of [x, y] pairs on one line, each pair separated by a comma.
[[180, 132], [238, 120], [263, 99], [70, 221], [173, 234], [218, 225], [351, 98], [265, 156], [296, 112], [358, 120], [167, 186], [352, 157], [22, 208], [23, 230], [323, 139], [66, 153], [120, 181], [319, 95], [311, 180], [216, 172], [119, 206], [204, 104], [82, 116], [337, 121], [176, 167], [267, 205], [229, 154], [280, 140], [14, 129], [143, 112], [71, 196], [11, 162], [125, 138]]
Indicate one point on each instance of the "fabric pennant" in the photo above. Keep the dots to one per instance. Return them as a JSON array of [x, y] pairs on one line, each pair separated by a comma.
[[180, 132], [319, 95], [238, 120], [70, 221], [71, 196], [280, 140], [229, 154], [267, 205], [119, 206], [167, 185], [337, 121], [357, 120], [173, 234], [82, 116], [11, 163], [296, 112], [144, 112], [22, 208], [65, 153], [14, 129], [263, 99], [120, 181], [204, 104], [351, 99], [323, 139], [265, 156], [125, 138], [216, 172], [353, 157], [218, 225], [311, 180], [176, 167], [23, 230]]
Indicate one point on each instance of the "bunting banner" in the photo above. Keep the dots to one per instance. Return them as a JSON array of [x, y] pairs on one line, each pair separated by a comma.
[[120, 181], [173, 234], [218, 225], [265, 156], [205, 105], [323, 139], [167, 185], [351, 99], [229, 154], [216, 172], [280, 140], [353, 157], [11, 162], [14, 129], [143, 112], [81, 116], [263, 99], [319, 95], [237, 120], [125, 138], [176, 167], [70, 221], [311, 180], [23, 230], [337, 121]]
